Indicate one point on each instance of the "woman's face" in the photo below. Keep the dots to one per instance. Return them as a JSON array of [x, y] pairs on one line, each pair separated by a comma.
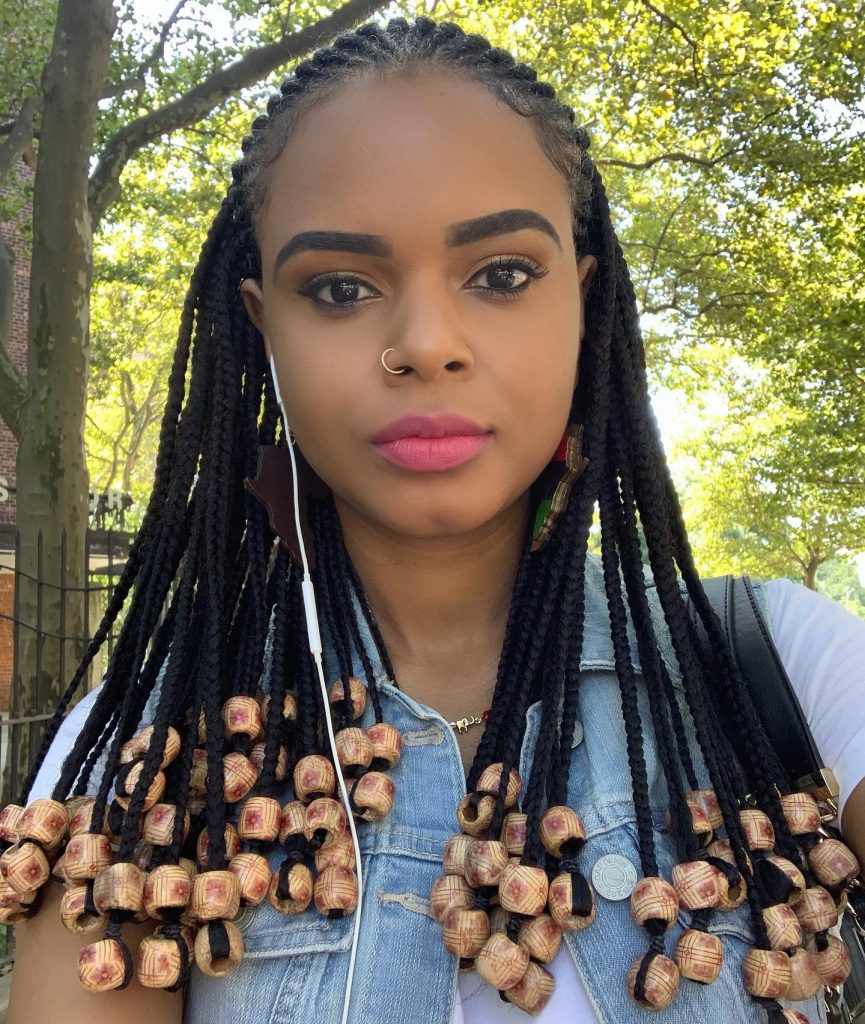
[[454, 250]]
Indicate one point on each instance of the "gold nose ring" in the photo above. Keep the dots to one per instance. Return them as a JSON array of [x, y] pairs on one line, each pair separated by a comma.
[[384, 364]]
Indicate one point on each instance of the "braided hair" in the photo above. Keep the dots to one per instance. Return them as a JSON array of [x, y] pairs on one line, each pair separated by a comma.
[[214, 597]]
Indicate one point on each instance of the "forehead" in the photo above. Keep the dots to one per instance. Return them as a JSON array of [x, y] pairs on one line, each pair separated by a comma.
[[407, 153]]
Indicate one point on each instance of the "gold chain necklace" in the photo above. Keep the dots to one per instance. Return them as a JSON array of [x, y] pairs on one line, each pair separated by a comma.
[[464, 724]]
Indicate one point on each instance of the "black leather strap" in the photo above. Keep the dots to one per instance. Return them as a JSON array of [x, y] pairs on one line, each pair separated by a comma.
[[760, 666]]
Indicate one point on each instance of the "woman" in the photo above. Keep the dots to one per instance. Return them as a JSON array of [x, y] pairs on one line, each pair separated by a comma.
[[416, 260]]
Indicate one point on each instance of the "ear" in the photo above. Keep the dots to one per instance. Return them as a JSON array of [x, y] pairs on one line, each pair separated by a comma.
[[586, 269], [253, 299]]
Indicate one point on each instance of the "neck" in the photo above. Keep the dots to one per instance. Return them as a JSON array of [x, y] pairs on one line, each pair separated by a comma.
[[441, 603]]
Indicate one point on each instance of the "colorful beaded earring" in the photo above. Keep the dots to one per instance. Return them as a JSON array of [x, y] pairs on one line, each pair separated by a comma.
[[553, 487]]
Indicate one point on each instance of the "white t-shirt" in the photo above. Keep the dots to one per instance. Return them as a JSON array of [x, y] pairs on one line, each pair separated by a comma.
[[822, 648]]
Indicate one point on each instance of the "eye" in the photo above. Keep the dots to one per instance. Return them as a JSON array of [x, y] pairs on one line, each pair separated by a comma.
[[508, 276], [337, 291]]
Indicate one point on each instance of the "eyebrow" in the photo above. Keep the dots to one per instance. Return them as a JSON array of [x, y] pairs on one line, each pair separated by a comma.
[[463, 233]]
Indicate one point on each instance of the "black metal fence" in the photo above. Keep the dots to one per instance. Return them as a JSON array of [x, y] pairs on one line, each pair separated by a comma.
[[27, 700]]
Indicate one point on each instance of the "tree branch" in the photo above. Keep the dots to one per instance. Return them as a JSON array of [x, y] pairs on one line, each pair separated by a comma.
[[674, 157], [19, 138], [200, 100]]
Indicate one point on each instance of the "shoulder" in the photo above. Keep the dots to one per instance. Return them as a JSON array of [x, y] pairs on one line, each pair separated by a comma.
[[62, 744]]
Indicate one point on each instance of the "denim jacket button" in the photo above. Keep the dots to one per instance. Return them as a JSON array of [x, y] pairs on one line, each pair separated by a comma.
[[614, 877]]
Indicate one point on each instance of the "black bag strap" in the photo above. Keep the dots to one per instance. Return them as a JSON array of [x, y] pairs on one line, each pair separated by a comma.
[[774, 698]]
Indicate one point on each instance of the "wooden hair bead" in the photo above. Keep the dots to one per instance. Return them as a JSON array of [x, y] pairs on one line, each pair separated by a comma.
[[43, 821], [759, 834], [449, 891], [119, 887], [490, 781], [253, 877], [75, 916], [354, 750], [514, 833], [730, 897], [9, 818], [372, 796], [533, 991], [14, 914], [58, 872], [292, 820], [215, 896], [314, 776], [560, 825], [653, 899], [9, 897], [25, 867], [166, 888], [697, 885], [102, 965], [198, 771], [815, 909], [782, 927], [339, 853], [561, 904], [335, 892], [242, 717], [466, 931], [474, 815], [801, 813], [502, 962], [259, 819], [289, 709], [386, 745], [766, 973], [541, 936], [792, 872], [833, 963], [700, 824], [454, 858], [202, 845], [86, 855], [356, 695], [300, 890], [833, 863], [660, 984], [239, 775], [805, 982], [256, 756], [699, 956], [159, 825], [523, 889], [486, 859], [326, 817], [218, 967], [154, 791], [159, 962], [142, 742], [722, 849], [707, 801]]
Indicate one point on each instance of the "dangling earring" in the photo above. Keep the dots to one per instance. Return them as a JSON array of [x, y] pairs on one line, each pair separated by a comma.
[[555, 483]]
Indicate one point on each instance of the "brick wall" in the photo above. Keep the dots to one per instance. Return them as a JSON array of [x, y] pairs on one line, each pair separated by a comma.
[[18, 243]]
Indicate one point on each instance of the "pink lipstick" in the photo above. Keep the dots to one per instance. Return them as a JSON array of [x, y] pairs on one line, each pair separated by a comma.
[[430, 444]]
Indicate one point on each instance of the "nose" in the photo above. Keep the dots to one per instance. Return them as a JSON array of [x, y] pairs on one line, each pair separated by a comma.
[[427, 338]]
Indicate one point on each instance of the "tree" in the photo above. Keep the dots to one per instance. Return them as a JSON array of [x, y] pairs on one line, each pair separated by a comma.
[[107, 92]]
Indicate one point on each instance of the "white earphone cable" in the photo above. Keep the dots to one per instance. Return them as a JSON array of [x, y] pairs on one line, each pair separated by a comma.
[[315, 648]]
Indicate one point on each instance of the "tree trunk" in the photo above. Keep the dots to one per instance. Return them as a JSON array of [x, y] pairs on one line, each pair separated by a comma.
[[52, 472], [809, 577]]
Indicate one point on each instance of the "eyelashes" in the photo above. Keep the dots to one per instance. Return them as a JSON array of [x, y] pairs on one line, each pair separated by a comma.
[[346, 289]]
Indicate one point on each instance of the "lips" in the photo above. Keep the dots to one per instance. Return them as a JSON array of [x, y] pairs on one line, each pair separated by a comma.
[[430, 444]]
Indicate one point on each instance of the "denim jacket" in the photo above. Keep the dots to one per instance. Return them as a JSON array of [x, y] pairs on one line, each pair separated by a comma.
[[294, 969]]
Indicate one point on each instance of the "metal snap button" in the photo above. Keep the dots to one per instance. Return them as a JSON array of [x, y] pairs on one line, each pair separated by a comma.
[[578, 735], [614, 877]]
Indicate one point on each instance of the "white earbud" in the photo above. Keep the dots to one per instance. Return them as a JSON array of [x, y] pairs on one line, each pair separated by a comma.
[[315, 648]]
